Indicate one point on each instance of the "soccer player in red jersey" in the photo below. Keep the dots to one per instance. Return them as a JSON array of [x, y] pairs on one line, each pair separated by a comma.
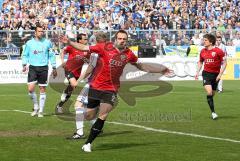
[[105, 80], [213, 58], [82, 112], [73, 68]]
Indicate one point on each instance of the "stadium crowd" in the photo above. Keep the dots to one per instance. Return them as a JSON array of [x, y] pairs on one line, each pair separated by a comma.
[[166, 16]]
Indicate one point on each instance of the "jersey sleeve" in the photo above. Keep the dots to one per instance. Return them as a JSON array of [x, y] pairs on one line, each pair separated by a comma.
[[52, 56], [96, 49], [222, 55], [25, 55], [67, 49], [132, 57]]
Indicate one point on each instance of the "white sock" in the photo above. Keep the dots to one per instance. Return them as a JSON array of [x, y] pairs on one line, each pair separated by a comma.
[[79, 120], [220, 85], [63, 97], [33, 97], [42, 99]]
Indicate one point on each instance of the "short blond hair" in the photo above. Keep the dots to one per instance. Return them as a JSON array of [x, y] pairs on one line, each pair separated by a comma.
[[101, 37]]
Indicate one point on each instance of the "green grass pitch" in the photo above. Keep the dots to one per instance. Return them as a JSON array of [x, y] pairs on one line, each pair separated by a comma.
[[183, 109]]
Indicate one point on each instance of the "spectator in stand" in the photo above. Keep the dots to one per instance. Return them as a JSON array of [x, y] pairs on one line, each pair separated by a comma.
[[236, 39], [196, 40], [203, 11], [176, 14]]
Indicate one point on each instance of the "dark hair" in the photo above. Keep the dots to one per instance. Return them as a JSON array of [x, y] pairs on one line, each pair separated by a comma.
[[80, 36], [219, 37], [120, 31], [38, 25], [211, 38]]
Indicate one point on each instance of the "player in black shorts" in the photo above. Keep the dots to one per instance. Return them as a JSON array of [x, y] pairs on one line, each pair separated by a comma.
[[72, 68], [105, 80], [35, 59], [95, 97], [210, 79], [212, 57]]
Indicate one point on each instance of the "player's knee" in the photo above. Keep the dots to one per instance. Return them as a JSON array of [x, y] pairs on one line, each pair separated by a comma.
[[78, 105], [103, 116], [30, 91], [209, 93], [89, 116], [42, 89]]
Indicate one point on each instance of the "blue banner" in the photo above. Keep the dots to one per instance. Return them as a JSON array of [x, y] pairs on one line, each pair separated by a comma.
[[10, 51]]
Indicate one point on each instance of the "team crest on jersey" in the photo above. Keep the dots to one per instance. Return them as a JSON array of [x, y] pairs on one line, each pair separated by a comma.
[[213, 54], [37, 51], [123, 57]]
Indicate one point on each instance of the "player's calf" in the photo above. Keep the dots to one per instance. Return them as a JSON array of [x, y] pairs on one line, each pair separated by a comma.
[[95, 131]]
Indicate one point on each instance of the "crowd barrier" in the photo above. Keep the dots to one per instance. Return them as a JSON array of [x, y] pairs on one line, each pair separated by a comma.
[[184, 68]]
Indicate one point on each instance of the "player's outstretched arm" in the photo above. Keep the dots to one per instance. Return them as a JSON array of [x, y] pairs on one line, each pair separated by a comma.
[[86, 73], [62, 57], [76, 45], [157, 68], [54, 73]]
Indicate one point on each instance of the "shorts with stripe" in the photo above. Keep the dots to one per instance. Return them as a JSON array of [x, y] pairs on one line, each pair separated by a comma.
[[38, 74], [96, 97]]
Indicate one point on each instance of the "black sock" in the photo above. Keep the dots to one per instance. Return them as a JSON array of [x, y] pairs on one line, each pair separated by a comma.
[[210, 102], [68, 91], [95, 130], [61, 103]]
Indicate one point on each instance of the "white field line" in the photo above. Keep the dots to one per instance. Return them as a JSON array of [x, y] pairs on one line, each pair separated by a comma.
[[154, 130], [15, 111], [174, 132], [22, 111], [12, 95]]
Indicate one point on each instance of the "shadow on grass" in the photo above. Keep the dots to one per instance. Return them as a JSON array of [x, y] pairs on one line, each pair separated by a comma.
[[104, 134], [227, 117], [120, 145]]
